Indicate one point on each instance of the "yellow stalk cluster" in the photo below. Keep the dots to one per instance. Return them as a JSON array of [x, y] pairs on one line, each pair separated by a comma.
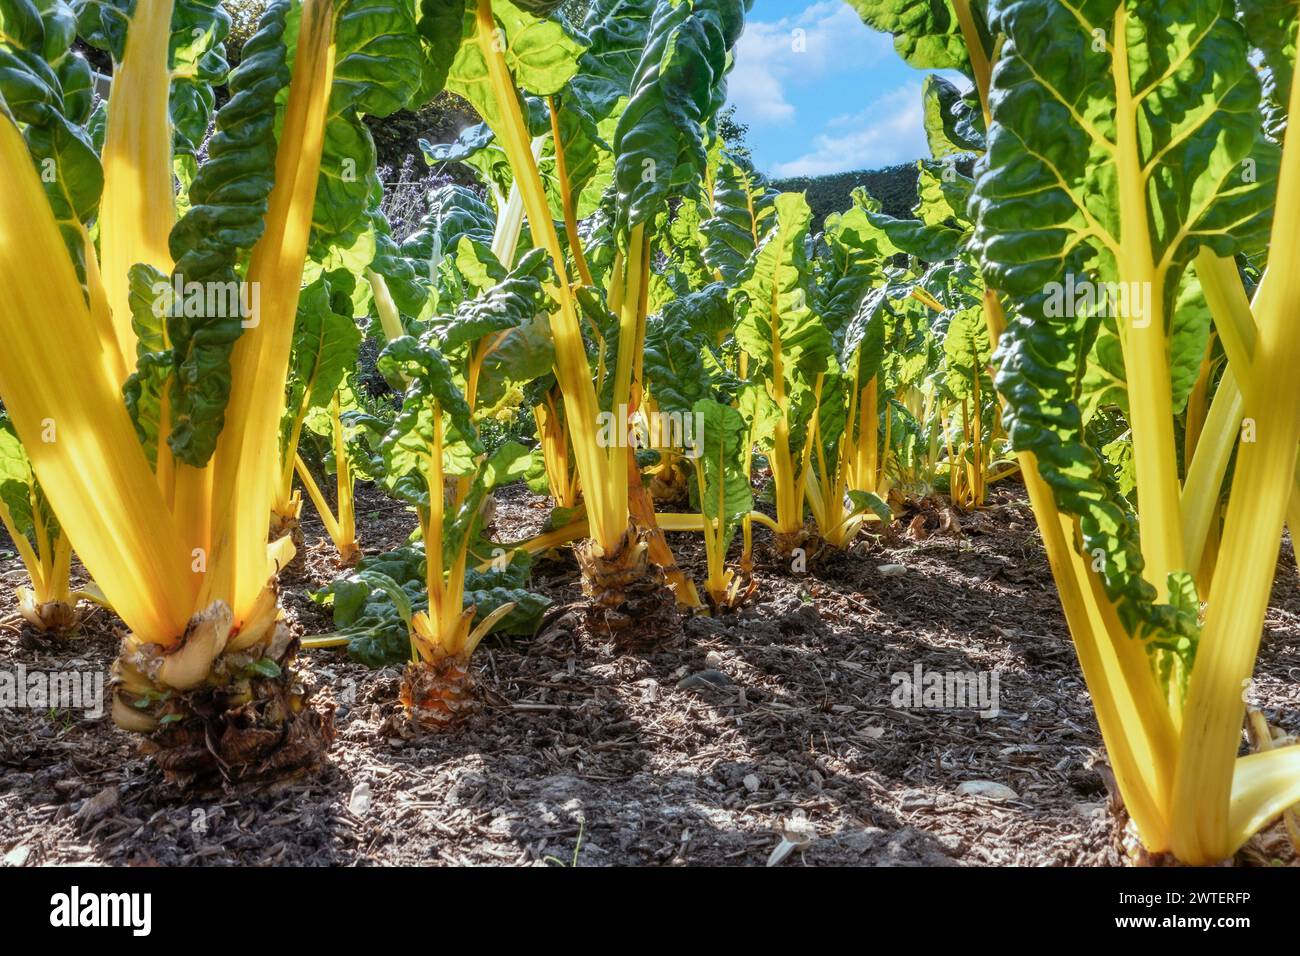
[[605, 499], [168, 547], [1176, 760], [611, 492], [136, 210]]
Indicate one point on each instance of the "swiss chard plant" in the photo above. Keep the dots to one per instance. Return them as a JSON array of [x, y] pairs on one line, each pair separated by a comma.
[[1113, 226]]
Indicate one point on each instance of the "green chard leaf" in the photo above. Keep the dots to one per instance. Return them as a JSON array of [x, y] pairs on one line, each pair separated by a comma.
[[228, 200], [741, 215], [1272, 27], [954, 124], [727, 496], [46, 87], [198, 63], [542, 54], [927, 33], [1183, 137], [679, 85], [325, 344], [772, 303], [432, 400], [379, 70]]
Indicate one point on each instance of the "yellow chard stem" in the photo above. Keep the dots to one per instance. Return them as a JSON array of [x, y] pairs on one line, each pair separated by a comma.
[[1146, 346], [870, 477], [606, 502], [1200, 501], [1198, 404], [192, 506], [789, 495], [137, 209], [68, 412], [628, 333], [1293, 515], [390, 319], [43, 547], [510, 216], [102, 314], [566, 197], [318, 500], [247, 453], [284, 483], [34, 565], [58, 585], [1261, 489], [1135, 722], [978, 470], [347, 525], [433, 530], [716, 581], [1235, 324], [555, 450], [979, 61]]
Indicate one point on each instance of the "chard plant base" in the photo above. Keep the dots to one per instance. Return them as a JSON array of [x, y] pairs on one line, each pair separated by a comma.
[[439, 694], [51, 618], [349, 557], [1134, 853], [929, 516], [670, 486], [740, 590], [785, 545], [251, 721], [628, 601]]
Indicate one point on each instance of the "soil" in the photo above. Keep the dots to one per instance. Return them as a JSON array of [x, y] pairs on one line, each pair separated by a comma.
[[590, 757]]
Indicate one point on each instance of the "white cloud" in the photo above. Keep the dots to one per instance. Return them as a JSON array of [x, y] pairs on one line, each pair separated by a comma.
[[891, 130], [825, 38]]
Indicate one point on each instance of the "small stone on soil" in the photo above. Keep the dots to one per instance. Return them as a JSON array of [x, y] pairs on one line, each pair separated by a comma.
[[17, 856], [360, 801], [988, 789]]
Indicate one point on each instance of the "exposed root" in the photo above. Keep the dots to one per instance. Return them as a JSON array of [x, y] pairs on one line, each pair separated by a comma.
[[348, 556], [629, 601], [439, 694], [248, 719], [1138, 855]]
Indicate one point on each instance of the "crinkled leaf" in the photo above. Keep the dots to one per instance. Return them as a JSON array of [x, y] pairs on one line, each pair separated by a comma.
[[228, 202], [927, 33], [542, 55], [772, 302], [953, 123], [678, 87], [46, 88]]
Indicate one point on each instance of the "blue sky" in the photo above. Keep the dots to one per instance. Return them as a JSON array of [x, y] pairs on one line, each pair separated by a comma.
[[833, 98]]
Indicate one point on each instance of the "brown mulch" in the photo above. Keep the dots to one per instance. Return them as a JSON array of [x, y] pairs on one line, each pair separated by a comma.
[[585, 754]]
